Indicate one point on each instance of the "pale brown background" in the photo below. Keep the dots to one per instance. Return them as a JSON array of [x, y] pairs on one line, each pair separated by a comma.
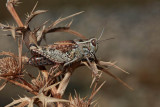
[[136, 26]]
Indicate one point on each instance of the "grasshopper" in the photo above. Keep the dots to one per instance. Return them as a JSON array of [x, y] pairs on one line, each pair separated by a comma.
[[64, 52]]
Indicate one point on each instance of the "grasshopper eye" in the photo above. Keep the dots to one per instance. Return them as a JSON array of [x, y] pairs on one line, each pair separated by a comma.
[[93, 42]]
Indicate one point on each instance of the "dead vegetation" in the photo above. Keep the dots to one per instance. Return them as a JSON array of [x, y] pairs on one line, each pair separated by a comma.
[[47, 90]]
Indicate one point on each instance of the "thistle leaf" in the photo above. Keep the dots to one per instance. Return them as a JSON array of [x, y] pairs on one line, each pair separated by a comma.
[[18, 101]]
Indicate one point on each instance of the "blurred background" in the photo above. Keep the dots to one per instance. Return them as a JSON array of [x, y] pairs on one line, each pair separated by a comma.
[[135, 25]]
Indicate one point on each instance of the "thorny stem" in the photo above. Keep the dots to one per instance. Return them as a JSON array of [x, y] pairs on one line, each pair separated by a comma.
[[11, 9], [21, 85], [14, 14], [23, 104]]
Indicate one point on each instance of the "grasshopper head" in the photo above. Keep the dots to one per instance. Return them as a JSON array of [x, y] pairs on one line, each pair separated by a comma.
[[88, 47], [93, 45]]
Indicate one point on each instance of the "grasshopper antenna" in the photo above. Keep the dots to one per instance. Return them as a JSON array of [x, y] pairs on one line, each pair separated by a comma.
[[101, 34], [100, 41]]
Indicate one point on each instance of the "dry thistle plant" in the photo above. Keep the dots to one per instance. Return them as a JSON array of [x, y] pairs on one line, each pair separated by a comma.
[[64, 56]]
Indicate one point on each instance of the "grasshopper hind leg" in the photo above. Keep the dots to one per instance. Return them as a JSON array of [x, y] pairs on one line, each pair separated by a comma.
[[39, 61]]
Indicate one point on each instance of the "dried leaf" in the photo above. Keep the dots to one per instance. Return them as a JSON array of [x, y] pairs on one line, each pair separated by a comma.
[[23, 104], [5, 27], [33, 14], [60, 20], [51, 86], [113, 65], [95, 92], [75, 33], [115, 77], [18, 101], [34, 7], [45, 99], [66, 29], [12, 29]]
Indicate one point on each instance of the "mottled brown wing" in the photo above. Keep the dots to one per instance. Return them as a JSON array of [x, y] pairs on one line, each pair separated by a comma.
[[63, 46]]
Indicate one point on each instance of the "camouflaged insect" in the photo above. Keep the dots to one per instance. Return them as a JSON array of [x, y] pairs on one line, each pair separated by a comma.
[[64, 52]]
